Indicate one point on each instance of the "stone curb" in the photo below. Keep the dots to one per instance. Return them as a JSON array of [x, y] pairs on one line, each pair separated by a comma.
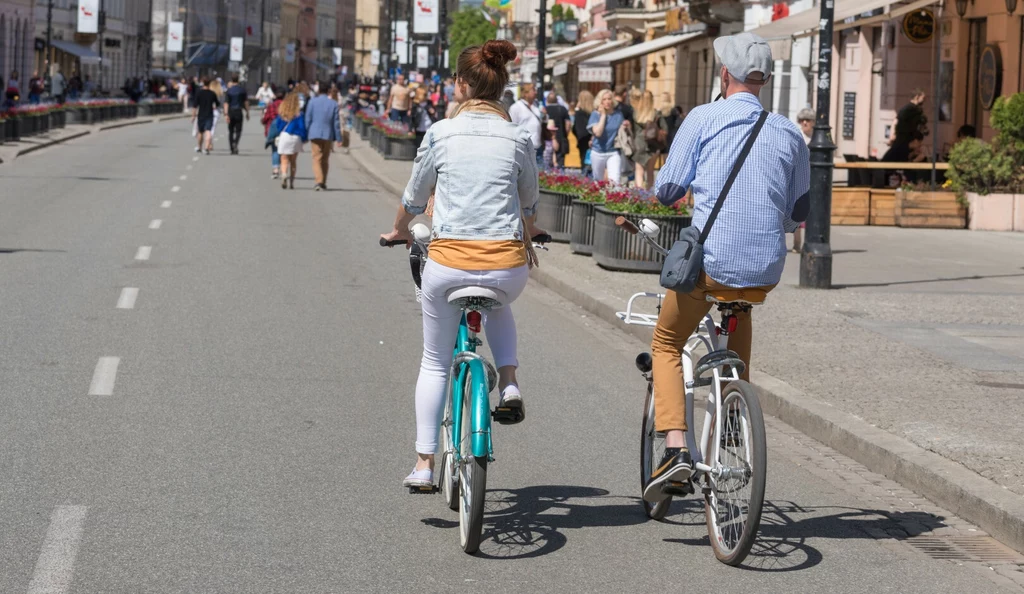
[[134, 122], [950, 485]]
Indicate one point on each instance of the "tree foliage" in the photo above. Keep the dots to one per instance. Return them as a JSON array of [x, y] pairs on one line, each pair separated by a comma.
[[976, 166], [557, 13], [469, 27]]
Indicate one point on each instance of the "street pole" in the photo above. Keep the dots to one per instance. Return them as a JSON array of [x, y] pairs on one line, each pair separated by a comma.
[[542, 44], [49, 32], [816, 258], [938, 91], [103, 25]]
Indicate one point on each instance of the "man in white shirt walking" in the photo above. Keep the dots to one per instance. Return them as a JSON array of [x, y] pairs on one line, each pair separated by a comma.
[[529, 116]]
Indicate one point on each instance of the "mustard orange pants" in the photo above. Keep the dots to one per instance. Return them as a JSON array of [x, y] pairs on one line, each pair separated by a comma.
[[679, 317]]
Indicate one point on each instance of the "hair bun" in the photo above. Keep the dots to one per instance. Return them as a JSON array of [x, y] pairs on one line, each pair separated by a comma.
[[498, 52]]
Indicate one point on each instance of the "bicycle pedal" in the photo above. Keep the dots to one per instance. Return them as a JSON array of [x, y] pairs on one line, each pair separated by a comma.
[[679, 489], [424, 490], [507, 415]]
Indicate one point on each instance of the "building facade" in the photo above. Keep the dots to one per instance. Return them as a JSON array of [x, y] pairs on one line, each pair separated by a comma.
[[368, 37], [17, 26]]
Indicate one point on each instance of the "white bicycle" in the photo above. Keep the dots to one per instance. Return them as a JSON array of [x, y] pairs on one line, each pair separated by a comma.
[[731, 457]]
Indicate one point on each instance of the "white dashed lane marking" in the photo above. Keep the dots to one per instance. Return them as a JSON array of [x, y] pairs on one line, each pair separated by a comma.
[[103, 377], [127, 298], [56, 564], [155, 224], [143, 252], [175, 188], [165, 204]]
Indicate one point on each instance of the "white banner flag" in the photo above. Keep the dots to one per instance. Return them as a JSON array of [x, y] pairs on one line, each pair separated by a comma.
[[375, 57], [236, 49], [289, 52], [175, 36], [425, 17], [337, 56], [402, 41], [88, 16], [422, 56]]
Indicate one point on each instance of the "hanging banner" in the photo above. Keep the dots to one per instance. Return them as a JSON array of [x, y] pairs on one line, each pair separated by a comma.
[[236, 49], [447, 64], [375, 58], [424, 17], [422, 56], [289, 52], [402, 41], [88, 16], [337, 56], [175, 35]]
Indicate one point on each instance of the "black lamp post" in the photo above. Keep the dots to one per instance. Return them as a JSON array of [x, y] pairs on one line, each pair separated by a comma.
[[816, 258]]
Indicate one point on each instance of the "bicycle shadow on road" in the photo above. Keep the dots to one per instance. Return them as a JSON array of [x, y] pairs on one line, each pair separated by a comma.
[[529, 522], [782, 542]]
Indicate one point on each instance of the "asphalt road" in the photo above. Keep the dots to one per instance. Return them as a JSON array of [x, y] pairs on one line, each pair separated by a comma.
[[260, 418]]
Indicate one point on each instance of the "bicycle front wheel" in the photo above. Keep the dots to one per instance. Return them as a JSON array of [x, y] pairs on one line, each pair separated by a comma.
[[472, 475], [738, 458], [652, 449]]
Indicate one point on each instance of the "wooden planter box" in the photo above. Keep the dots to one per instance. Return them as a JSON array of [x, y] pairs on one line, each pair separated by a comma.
[[934, 210], [617, 250], [400, 149], [554, 214], [851, 206], [883, 207], [581, 236]]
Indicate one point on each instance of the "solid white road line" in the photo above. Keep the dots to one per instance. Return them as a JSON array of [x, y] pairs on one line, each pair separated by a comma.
[[56, 564], [127, 298], [175, 188], [183, 178], [143, 252], [165, 204], [155, 224], [104, 376]]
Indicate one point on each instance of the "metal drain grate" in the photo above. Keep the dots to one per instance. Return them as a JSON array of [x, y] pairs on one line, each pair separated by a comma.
[[977, 549]]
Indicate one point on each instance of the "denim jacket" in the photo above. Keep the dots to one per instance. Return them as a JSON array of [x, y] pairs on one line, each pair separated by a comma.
[[480, 168]]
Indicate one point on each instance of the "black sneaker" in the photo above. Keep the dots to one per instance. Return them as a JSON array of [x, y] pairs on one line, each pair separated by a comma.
[[675, 467]]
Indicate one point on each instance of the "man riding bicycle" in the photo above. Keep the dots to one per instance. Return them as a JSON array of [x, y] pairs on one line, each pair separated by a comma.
[[746, 249]]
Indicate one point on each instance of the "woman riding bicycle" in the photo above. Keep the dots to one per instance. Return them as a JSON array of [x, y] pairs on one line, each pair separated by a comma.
[[482, 171]]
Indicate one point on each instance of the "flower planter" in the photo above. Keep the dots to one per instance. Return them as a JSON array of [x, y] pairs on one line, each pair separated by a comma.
[[400, 149], [363, 128], [13, 129], [935, 210], [991, 212], [554, 214], [75, 115], [617, 250], [581, 236], [851, 206], [3, 130]]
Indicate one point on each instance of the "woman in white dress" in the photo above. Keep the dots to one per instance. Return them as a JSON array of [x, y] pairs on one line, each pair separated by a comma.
[[293, 135]]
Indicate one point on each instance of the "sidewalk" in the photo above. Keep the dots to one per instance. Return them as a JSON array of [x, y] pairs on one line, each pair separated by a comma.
[[913, 365], [9, 151]]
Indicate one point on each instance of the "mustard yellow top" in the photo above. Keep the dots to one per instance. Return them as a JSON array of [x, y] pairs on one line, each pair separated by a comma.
[[478, 255]]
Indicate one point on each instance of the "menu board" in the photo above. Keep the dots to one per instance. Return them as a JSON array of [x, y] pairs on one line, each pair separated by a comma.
[[849, 114]]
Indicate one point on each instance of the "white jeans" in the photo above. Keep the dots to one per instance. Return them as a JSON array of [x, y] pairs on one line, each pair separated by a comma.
[[441, 329], [610, 162]]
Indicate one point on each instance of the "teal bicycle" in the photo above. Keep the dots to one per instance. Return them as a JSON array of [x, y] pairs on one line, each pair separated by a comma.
[[465, 442]]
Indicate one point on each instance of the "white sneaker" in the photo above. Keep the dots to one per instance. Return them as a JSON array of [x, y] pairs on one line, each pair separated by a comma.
[[419, 478], [198, 150]]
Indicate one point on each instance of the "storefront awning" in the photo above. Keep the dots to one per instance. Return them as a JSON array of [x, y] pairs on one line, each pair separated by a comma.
[[641, 49], [606, 47], [572, 51], [782, 32], [84, 54], [892, 12]]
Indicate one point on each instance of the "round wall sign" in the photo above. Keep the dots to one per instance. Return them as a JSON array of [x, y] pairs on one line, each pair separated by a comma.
[[990, 75], [919, 26]]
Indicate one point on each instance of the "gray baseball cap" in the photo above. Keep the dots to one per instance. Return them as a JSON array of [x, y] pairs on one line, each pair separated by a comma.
[[743, 54]]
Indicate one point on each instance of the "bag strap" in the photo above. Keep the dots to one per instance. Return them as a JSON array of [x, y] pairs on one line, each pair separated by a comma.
[[732, 177]]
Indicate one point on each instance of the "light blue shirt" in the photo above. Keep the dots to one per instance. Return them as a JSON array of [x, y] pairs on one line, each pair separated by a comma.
[[605, 143], [747, 244]]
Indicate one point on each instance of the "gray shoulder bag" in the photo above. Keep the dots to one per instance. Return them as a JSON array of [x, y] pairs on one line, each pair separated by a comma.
[[685, 260]]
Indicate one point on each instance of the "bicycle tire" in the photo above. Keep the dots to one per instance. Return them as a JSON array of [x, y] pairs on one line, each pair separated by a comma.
[[449, 477], [733, 546], [648, 457], [472, 475]]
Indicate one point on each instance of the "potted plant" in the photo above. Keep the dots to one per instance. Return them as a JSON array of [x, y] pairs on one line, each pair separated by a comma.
[[554, 209], [399, 141], [990, 177], [617, 250], [581, 236], [918, 206]]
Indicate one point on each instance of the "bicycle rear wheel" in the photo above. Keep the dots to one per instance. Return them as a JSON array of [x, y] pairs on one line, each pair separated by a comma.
[[472, 473], [736, 494], [449, 477], [652, 448]]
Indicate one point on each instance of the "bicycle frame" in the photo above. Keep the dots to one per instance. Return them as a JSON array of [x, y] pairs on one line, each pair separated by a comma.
[[466, 360]]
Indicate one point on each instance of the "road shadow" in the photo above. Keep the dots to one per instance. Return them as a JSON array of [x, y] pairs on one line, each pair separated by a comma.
[[782, 541], [530, 522], [926, 281], [17, 250]]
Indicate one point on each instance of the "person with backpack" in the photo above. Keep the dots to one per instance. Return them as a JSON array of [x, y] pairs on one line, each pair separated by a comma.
[[650, 139]]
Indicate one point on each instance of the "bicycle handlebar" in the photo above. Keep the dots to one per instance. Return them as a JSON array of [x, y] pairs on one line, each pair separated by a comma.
[[542, 238], [627, 225], [386, 243]]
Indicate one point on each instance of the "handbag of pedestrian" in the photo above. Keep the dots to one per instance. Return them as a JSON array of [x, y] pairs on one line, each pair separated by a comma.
[[685, 260]]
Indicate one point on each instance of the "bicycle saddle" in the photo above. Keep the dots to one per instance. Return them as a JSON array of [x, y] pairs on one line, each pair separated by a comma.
[[749, 296], [477, 298]]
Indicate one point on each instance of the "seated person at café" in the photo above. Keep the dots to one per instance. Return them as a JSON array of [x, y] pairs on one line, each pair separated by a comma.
[[906, 150]]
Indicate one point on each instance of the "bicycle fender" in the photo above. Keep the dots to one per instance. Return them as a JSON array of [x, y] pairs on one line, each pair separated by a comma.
[[481, 409]]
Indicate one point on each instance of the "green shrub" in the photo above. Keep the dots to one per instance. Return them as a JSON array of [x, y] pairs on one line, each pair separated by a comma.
[[1007, 118], [976, 166]]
